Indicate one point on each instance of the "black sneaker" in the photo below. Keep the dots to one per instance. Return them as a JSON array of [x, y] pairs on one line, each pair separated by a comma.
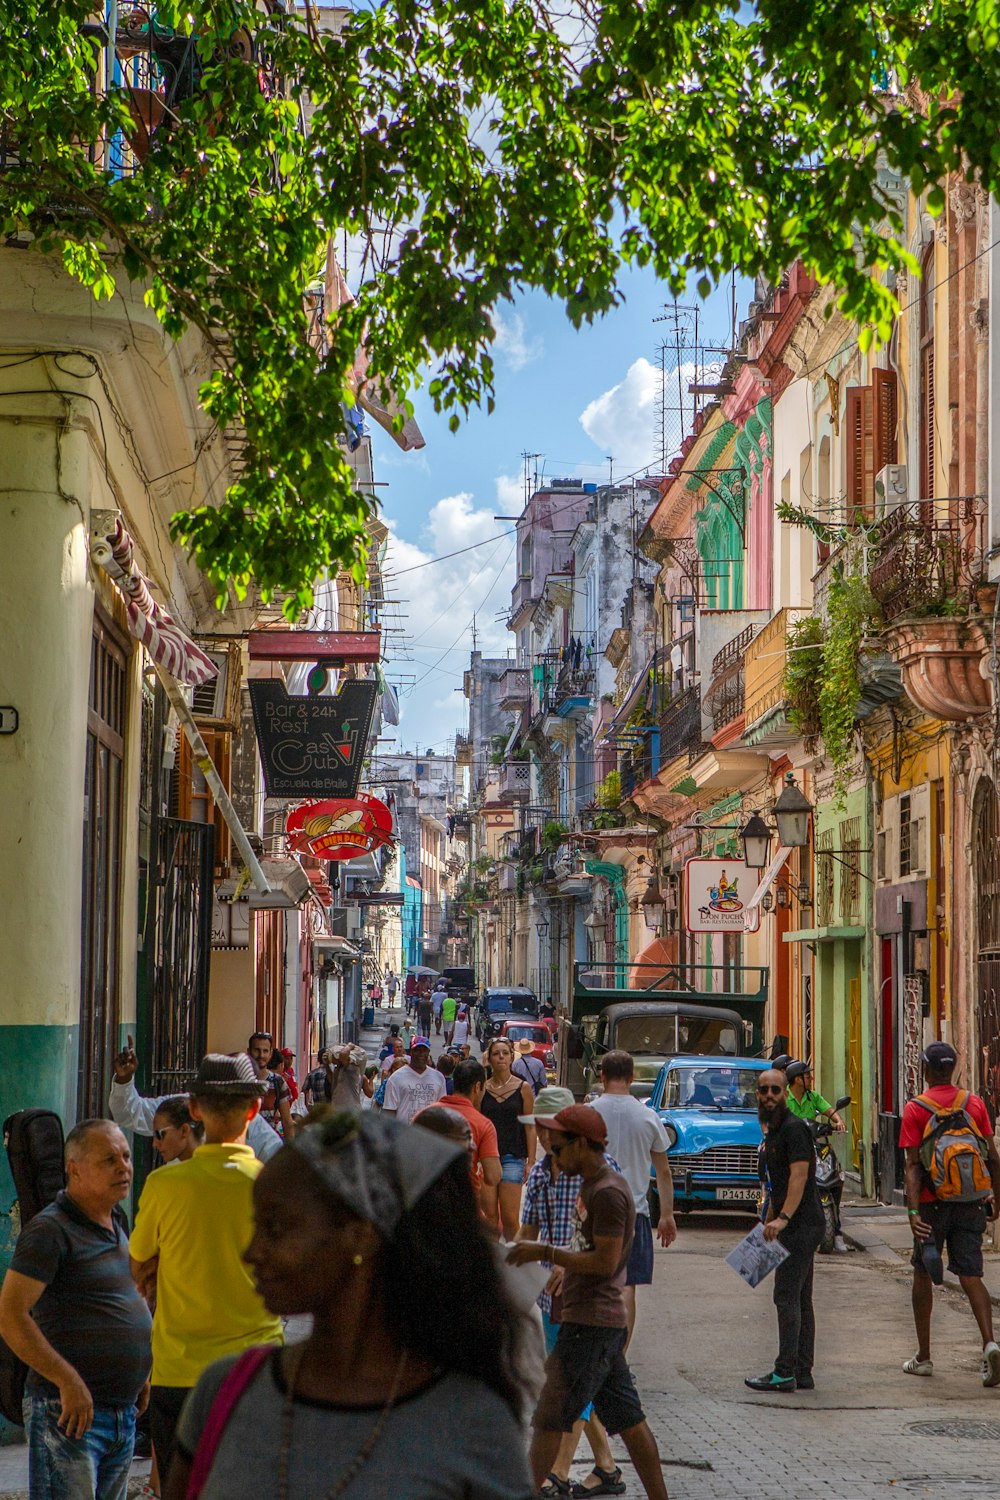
[[805, 1383], [780, 1384]]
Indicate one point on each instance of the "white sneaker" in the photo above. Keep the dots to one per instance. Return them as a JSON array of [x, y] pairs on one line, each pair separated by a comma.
[[991, 1363], [915, 1366], [839, 1245]]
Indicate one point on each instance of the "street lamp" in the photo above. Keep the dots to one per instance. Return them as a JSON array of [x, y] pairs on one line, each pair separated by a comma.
[[791, 813], [653, 906], [542, 928], [767, 900], [756, 838], [595, 923]]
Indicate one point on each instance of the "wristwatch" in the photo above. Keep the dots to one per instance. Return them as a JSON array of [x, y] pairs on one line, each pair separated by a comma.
[[783, 1216]]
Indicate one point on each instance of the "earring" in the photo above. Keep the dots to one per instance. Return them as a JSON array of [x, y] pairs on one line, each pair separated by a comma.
[[357, 1260]]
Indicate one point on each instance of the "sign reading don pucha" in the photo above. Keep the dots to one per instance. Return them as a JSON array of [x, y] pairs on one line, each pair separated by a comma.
[[312, 747]]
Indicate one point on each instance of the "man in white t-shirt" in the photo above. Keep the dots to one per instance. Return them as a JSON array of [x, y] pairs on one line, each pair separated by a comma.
[[411, 1089], [636, 1138], [460, 1031]]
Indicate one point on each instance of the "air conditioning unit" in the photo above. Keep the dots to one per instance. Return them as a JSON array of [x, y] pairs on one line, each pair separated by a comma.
[[355, 924], [890, 488], [218, 700]]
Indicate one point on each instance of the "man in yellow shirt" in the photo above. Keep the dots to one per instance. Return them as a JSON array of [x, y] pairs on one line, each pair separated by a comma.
[[193, 1223]]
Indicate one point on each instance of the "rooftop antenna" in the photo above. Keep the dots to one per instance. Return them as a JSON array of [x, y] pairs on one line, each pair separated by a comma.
[[611, 470], [473, 633]]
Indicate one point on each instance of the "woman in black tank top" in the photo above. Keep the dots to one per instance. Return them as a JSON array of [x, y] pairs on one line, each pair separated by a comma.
[[505, 1098]]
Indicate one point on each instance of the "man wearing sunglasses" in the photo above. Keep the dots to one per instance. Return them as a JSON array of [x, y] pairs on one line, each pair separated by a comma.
[[588, 1362], [794, 1218]]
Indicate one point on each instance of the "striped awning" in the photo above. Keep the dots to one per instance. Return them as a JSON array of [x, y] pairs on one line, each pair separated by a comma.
[[148, 621]]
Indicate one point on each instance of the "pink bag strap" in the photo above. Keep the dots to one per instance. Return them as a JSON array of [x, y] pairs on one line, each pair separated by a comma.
[[226, 1401]]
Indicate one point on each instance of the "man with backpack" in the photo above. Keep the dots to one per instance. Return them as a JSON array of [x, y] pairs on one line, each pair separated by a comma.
[[952, 1189]]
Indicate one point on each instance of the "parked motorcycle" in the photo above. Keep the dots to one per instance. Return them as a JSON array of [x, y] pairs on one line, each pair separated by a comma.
[[829, 1174]]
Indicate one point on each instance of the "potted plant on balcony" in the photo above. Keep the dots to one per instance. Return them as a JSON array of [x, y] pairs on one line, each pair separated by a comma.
[[553, 834]]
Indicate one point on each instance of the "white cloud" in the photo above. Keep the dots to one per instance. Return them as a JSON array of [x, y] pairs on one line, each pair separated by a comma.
[[623, 420], [437, 601], [513, 344], [510, 494]]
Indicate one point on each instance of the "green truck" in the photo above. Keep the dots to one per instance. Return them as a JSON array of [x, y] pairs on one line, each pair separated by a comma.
[[658, 1011]]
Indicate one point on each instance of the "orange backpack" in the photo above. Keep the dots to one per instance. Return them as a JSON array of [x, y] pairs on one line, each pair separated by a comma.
[[954, 1152]]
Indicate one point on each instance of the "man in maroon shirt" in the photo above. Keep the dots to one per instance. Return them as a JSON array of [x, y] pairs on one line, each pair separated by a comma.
[[588, 1362], [938, 1222]]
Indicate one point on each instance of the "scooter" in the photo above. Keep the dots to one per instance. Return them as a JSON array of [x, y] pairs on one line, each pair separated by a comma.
[[829, 1174]]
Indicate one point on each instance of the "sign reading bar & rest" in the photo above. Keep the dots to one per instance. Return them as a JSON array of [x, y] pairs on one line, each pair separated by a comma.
[[312, 747], [717, 894]]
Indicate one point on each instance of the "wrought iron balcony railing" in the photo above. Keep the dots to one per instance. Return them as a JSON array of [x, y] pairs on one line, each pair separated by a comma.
[[680, 725], [929, 557]]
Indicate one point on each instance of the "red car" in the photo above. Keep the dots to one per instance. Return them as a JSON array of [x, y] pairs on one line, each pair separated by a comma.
[[534, 1032]]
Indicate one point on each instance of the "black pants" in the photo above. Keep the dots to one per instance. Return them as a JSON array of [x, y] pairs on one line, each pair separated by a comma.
[[793, 1286], [165, 1403]]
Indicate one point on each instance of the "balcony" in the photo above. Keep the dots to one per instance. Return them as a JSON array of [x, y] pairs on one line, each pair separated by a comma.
[[929, 558], [725, 698], [507, 878], [515, 689], [764, 681], [680, 726], [522, 601], [928, 567], [515, 779]]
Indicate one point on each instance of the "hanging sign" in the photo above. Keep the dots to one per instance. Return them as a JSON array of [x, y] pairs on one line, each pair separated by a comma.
[[717, 893], [341, 828], [312, 747]]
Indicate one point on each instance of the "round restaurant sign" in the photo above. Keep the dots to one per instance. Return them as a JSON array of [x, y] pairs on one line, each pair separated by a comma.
[[339, 827]]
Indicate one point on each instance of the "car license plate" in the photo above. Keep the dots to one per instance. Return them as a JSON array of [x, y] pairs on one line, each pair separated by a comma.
[[735, 1195]]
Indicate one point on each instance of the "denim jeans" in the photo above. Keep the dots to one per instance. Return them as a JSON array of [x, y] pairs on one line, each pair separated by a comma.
[[94, 1467]]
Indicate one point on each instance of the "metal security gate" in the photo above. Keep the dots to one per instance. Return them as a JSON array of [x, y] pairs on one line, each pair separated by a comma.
[[986, 868], [181, 948]]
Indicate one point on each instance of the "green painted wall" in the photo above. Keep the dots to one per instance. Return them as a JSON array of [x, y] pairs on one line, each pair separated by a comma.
[[38, 1066]]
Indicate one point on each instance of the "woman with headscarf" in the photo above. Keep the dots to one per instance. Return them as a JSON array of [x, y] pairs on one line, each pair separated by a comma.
[[371, 1227]]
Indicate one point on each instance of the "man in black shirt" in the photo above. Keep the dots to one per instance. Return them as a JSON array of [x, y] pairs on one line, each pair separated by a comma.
[[795, 1219]]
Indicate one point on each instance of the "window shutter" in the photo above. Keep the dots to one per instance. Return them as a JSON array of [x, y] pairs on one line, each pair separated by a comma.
[[860, 451], [886, 416]]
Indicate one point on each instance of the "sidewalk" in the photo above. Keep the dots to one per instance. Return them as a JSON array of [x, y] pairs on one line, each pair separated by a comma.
[[883, 1232]]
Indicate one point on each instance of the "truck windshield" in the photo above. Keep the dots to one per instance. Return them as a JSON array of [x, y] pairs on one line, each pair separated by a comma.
[[664, 1036], [700, 1087]]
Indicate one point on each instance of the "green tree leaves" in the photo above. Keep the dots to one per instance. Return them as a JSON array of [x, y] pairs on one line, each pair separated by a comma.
[[471, 149]]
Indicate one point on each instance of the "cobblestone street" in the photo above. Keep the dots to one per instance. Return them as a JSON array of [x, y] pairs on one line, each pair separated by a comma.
[[867, 1432]]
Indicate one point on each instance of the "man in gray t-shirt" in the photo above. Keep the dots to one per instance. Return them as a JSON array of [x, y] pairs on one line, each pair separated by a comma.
[[345, 1072]]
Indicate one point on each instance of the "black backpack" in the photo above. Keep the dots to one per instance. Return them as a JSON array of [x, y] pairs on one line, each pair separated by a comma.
[[34, 1142]]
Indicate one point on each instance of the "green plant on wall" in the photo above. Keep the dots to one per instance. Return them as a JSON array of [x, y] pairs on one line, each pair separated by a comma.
[[553, 835], [852, 613], [821, 684], [609, 793], [803, 674]]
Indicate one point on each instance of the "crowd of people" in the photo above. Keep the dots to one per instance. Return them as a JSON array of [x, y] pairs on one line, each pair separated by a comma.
[[317, 1271]]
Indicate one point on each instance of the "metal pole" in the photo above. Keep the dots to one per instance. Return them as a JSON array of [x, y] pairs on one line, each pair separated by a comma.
[[207, 768]]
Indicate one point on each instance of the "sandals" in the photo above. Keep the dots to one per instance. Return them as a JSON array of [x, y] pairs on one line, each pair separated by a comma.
[[611, 1483], [555, 1486]]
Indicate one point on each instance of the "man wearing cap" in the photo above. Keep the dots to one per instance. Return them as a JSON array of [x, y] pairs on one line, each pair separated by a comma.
[[937, 1223], [637, 1139], [193, 1224], [794, 1217], [527, 1066], [588, 1362], [411, 1088], [549, 1214], [469, 1080]]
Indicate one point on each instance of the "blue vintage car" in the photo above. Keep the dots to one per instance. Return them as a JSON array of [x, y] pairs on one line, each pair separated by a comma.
[[709, 1108]]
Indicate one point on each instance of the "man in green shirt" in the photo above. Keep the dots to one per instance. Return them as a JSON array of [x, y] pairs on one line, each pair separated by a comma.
[[804, 1101], [449, 1009]]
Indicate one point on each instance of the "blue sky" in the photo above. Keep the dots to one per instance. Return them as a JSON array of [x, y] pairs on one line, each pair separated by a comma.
[[572, 397]]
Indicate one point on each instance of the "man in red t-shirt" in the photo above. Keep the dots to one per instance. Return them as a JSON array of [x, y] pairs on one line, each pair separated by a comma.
[[936, 1222]]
